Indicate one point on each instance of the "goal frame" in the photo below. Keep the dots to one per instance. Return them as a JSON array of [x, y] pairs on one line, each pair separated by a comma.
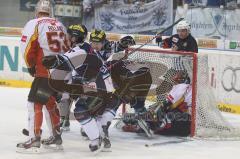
[[194, 78]]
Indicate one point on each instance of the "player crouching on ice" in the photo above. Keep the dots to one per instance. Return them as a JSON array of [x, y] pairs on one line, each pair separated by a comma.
[[93, 86], [172, 116]]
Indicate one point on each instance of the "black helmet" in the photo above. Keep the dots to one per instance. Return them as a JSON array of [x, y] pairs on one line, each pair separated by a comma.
[[97, 36], [78, 31], [124, 43]]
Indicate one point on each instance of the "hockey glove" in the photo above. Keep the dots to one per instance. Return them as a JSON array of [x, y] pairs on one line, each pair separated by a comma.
[[51, 62], [32, 71]]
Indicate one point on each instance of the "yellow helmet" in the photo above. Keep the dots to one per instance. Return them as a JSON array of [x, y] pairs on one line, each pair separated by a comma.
[[79, 31], [97, 36]]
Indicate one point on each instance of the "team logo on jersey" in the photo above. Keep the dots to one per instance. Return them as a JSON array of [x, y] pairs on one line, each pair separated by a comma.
[[24, 38], [185, 44], [175, 40]]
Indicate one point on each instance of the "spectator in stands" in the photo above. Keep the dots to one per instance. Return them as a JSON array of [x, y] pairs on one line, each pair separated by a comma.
[[182, 41]]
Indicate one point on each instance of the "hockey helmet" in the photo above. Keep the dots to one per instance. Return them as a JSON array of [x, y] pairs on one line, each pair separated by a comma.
[[181, 77], [97, 36], [78, 31], [43, 6], [127, 41], [183, 25]]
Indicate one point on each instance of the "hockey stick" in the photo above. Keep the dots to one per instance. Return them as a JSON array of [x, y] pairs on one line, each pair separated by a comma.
[[150, 40], [180, 140]]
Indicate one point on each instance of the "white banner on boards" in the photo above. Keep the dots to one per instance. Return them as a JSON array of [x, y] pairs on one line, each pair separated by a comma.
[[214, 22], [125, 18]]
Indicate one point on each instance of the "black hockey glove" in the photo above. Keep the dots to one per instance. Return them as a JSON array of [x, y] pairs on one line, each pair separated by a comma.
[[51, 62], [159, 40], [32, 71]]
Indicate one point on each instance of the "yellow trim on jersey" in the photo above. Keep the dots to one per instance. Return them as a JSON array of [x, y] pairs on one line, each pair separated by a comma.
[[33, 37], [177, 103], [15, 83]]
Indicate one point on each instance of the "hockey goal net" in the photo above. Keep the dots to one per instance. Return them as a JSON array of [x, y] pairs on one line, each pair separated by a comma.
[[207, 122]]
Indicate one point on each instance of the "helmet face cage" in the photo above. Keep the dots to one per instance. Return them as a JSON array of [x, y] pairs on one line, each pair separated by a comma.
[[125, 42], [181, 77]]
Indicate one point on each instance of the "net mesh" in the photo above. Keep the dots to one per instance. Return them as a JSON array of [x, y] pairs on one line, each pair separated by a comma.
[[209, 122]]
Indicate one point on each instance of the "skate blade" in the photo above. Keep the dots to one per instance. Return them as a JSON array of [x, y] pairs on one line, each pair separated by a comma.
[[64, 129], [53, 147], [98, 151], [104, 149], [32, 150], [85, 138]]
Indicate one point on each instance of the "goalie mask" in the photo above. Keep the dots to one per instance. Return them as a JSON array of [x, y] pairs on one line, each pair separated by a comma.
[[181, 77], [78, 33]]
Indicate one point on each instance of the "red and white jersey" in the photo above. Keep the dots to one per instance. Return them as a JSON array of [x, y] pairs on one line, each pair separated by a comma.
[[181, 97], [42, 37]]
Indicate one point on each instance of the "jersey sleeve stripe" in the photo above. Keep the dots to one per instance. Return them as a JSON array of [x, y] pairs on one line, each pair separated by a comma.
[[27, 50]]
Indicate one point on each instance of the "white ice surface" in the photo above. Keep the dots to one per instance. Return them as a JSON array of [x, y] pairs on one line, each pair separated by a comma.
[[13, 117]]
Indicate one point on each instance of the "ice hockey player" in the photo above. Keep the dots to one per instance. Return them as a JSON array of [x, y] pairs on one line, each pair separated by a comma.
[[100, 47], [182, 41], [94, 105], [171, 117], [77, 35], [41, 37], [124, 43]]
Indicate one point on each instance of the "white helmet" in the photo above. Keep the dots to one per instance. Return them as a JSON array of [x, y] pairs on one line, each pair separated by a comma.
[[43, 6], [183, 25]]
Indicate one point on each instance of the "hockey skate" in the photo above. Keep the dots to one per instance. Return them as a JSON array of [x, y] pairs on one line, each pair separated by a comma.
[[106, 140], [30, 146], [96, 145], [84, 135], [65, 124], [53, 143]]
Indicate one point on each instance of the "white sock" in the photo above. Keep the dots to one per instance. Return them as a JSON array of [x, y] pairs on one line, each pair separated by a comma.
[[99, 124], [48, 120], [107, 116], [31, 118], [90, 127]]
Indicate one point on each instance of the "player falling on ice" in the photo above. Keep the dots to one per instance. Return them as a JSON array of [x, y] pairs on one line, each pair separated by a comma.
[[172, 116], [42, 37]]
